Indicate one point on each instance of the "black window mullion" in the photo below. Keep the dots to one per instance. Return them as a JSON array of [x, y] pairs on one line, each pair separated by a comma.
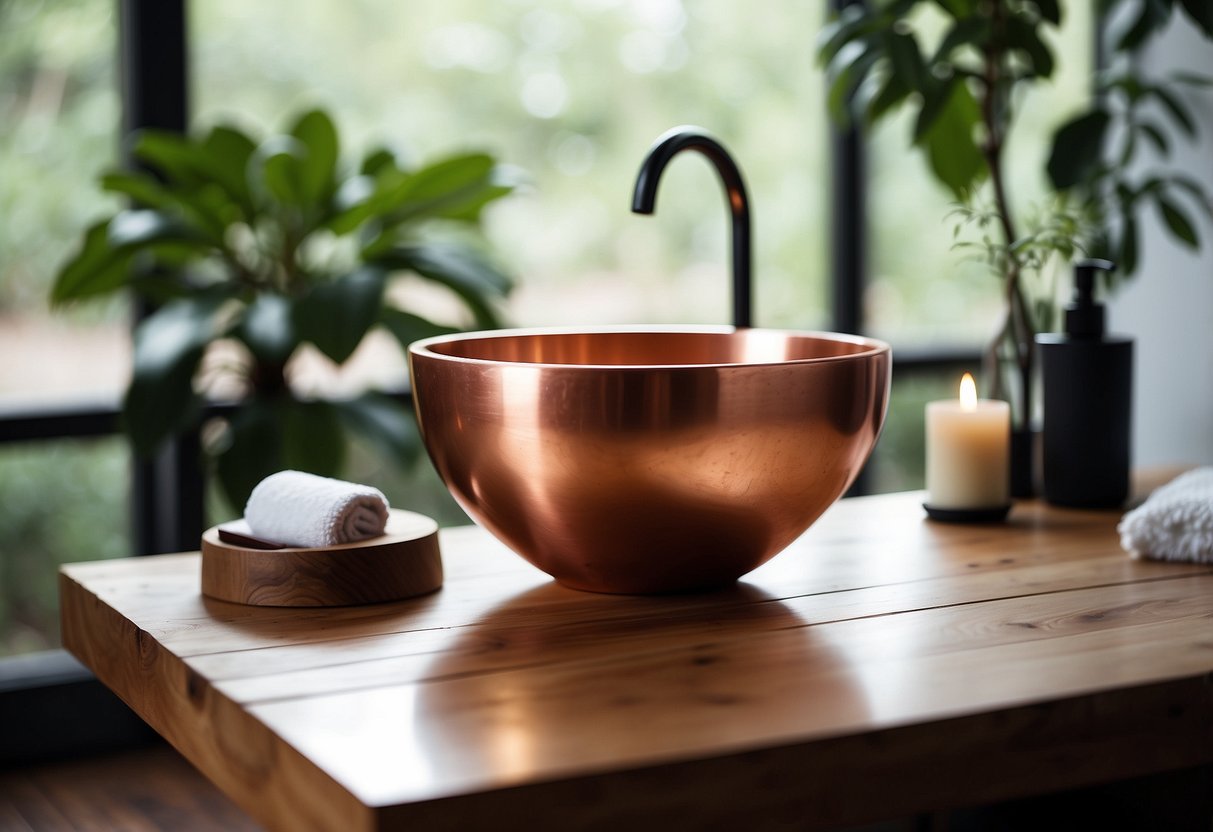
[[848, 222], [167, 492]]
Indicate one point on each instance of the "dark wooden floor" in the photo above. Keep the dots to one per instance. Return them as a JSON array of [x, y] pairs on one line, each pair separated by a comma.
[[146, 790], [153, 789]]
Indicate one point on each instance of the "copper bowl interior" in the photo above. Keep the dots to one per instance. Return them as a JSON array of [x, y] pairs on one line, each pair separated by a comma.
[[648, 460], [649, 349]]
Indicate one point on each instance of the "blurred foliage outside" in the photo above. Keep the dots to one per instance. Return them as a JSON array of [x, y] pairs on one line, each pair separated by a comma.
[[60, 501], [573, 93]]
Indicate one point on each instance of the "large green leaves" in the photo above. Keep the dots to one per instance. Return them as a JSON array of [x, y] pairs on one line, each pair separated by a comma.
[[384, 423], [104, 261], [251, 450], [453, 188], [189, 167], [169, 345], [336, 315], [950, 141], [471, 277], [268, 328], [1078, 149], [268, 241], [318, 168], [298, 170], [407, 327], [269, 434], [94, 270]]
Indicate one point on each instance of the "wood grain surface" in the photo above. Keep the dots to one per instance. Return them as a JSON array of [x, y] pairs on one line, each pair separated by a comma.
[[404, 562], [882, 665]]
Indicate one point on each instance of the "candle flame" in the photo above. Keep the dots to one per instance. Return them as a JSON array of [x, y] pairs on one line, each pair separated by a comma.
[[968, 393]]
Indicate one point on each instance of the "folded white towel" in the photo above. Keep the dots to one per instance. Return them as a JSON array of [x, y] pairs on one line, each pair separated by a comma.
[[1175, 522], [306, 510]]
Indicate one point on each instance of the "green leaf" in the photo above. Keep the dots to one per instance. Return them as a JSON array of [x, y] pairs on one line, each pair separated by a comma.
[[378, 161], [169, 345], [448, 188], [312, 439], [1049, 10], [1194, 190], [1179, 112], [96, 269], [228, 151], [103, 263], [205, 178], [1201, 12], [847, 71], [354, 203], [472, 207], [1178, 222], [178, 159], [253, 452], [186, 208], [267, 328], [449, 264], [1153, 16], [953, 153], [906, 60], [336, 315], [140, 187], [1077, 149], [888, 96], [1025, 38], [971, 31], [935, 99], [137, 228], [1156, 136], [1127, 260], [278, 163], [1193, 79], [852, 21], [957, 8], [407, 327], [318, 168], [384, 423]]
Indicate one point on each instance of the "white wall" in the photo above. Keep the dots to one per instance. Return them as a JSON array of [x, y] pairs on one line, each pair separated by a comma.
[[1168, 306]]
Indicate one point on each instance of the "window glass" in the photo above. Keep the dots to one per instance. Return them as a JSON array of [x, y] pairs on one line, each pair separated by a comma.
[[899, 461], [59, 108], [60, 502], [573, 92]]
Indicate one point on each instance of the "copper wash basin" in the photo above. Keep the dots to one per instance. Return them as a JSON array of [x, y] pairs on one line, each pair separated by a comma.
[[648, 460]]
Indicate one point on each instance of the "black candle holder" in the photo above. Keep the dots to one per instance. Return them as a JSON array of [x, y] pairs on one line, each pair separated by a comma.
[[992, 514]]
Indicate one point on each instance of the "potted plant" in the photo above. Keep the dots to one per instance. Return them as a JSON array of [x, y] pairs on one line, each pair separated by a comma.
[[964, 89], [268, 245]]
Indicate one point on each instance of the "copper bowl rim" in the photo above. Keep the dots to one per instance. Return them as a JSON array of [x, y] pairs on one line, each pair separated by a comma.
[[423, 346]]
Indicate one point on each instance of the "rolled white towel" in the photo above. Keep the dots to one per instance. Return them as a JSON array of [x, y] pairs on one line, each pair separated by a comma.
[[306, 510], [1175, 522]]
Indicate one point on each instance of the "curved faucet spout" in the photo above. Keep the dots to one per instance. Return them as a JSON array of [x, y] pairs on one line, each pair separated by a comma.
[[644, 198]]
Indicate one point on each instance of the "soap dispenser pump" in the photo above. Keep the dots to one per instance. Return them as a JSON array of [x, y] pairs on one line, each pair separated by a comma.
[[1087, 395]]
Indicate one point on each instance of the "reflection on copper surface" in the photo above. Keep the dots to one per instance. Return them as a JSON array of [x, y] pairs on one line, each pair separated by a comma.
[[649, 461]]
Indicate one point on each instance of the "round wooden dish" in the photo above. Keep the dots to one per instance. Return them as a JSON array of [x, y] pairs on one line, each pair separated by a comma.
[[402, 563]]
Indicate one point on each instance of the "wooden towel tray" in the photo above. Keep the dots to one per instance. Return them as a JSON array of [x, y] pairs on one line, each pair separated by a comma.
[[402, 563]]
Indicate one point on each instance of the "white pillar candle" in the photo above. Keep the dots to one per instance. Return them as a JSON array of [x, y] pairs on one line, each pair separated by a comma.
[[968, 451]]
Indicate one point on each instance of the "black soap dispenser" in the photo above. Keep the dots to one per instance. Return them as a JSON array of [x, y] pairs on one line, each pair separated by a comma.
[[1087, 381]]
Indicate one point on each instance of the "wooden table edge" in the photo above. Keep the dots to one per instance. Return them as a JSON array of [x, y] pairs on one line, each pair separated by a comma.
[[199, 721], [830, 782]]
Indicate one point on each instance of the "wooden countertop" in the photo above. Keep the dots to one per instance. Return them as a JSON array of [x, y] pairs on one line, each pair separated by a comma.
[[882, 665]]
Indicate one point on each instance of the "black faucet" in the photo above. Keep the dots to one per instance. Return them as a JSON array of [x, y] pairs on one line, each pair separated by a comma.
[[645, 195]]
